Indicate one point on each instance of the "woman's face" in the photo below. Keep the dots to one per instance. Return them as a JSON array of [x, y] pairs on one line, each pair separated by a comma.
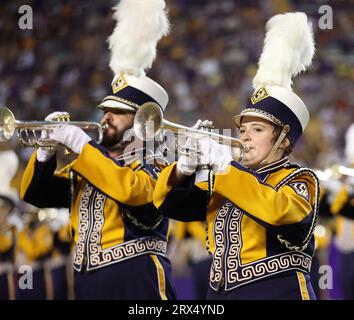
[[258, 134]]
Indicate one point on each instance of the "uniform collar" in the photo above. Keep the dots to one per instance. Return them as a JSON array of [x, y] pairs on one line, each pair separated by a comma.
[[272, 167]]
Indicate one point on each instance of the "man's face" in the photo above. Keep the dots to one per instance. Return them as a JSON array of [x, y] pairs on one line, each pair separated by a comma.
[[117, 122]]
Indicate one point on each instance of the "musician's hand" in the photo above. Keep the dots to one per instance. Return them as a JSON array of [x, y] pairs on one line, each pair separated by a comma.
[[70, 136], [188, 162], [205, 125], [216, 155], [45, 154]]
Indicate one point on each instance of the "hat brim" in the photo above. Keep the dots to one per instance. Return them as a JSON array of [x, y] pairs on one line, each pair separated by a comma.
[[237, 119], [108, 103]]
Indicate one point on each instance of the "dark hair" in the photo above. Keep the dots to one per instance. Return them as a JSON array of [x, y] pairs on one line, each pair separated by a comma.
[[277, 131]]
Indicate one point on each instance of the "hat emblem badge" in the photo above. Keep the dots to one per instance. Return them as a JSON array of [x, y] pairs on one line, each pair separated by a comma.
[[119, 84], [259, 95]]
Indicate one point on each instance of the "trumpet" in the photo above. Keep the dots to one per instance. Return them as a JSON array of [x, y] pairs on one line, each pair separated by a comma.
[[149, 120], [28, 131]]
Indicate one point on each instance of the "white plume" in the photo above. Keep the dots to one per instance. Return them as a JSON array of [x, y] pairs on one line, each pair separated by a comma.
[[8, 167], [140, 25], [288, 50], [349, 145]]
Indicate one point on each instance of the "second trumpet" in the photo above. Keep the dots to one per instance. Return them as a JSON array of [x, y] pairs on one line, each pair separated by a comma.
[[149, 120], [30, 132]]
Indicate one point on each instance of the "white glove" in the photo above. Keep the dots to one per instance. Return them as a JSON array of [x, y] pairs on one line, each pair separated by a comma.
[[187, 164], [205, 125], [45, 154], [216, 155], [70, 136]]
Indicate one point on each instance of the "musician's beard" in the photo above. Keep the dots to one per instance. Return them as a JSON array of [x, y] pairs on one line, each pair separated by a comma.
[[113, 139], [110, 141]]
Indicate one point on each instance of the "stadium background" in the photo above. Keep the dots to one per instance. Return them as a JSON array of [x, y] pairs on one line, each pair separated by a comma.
[[206, 64]]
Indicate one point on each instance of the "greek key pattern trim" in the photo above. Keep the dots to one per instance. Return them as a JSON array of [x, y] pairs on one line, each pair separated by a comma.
[[84, 225], [90, 233], [266, 267], [229, 241], [234, 252], [127, 250], [219, 240]]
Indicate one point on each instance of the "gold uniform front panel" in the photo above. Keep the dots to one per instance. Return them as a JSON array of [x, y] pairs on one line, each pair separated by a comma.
[[343, 209], [103, 192], [246, 214]]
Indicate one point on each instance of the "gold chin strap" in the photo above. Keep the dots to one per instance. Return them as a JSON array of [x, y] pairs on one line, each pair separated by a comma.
[[281, 137]]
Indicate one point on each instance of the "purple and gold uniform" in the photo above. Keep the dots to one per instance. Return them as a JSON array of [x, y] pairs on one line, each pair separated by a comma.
[[120, 238], [190, 249], [7, 244], [343, 209], [33, 248], [61, 276], [260, 227]]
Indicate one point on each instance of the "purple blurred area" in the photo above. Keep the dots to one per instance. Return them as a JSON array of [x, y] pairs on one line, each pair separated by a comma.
[[206, 64]]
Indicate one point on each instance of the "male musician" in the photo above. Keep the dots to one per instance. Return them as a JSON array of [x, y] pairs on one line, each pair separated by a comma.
[[260, 213], [120, 237]]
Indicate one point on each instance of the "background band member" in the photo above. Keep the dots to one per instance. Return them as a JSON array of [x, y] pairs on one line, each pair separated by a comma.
[[343, 209], [33, 249], [10, 223], [190, 259]]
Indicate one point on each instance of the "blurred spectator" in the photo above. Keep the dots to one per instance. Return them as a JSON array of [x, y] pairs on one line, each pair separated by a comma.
[[206, 63]]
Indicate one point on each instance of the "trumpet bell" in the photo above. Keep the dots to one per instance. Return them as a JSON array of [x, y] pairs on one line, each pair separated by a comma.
[[7, 124], [29, 132], [147, 121]]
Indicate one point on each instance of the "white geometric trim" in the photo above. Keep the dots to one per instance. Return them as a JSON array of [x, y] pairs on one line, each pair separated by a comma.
[[91, 220], [226, 266]]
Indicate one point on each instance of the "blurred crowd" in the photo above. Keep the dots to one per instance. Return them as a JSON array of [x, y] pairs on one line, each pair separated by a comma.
[[206, 65]]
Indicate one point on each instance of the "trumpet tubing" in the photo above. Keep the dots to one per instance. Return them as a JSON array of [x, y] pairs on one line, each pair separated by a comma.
[[27, 130], [149, 120]]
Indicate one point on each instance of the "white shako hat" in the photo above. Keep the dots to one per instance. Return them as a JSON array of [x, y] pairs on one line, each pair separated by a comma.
[[288, 50], [349, 145], [140, 25]]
